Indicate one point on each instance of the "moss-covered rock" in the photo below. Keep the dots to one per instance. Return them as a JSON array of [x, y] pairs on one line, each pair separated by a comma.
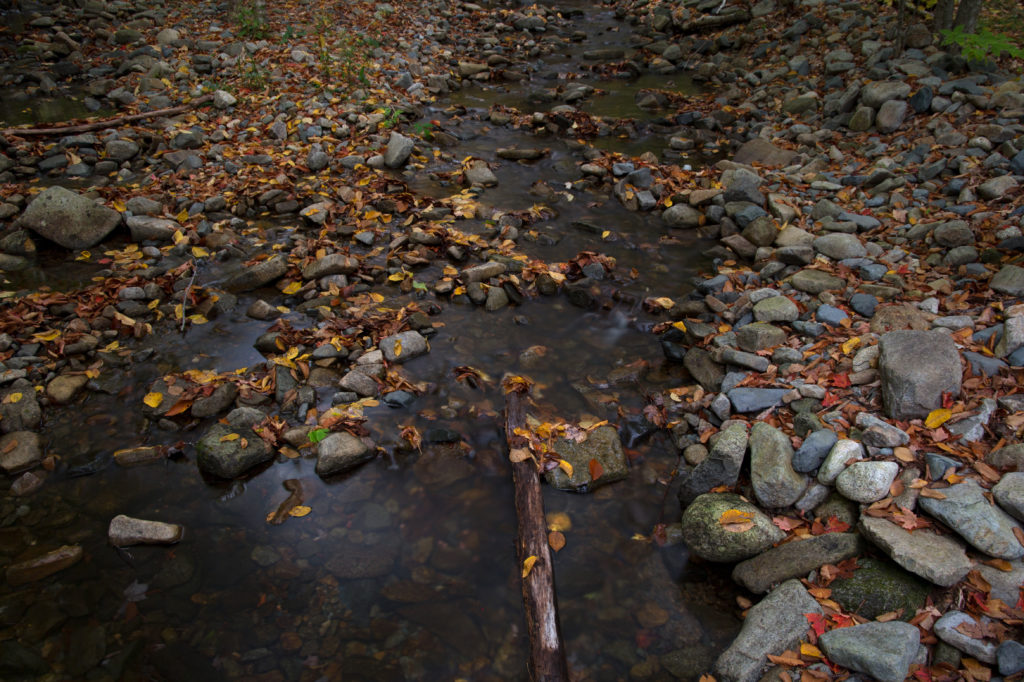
[[878, 587], [601, 445]]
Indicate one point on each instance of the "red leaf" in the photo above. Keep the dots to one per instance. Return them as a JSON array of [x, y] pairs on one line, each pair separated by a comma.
[[818, 623], [834, 525], [841, 381], [596, 470], [947, 398], [829, 400]]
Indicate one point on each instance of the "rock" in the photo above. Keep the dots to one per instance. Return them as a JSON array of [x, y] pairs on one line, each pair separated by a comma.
[[64, 387], [399, 149], [147, 228], [43, 565], [221, 399], [882, 650], [1009, 280], [776, 309], [703, 368], [880, 434], [890, 116], [877, 93], [953, 233], [745, 400], [1005, 584], [121, 150], [68, 219], [759, 336], [601, 446], [1010, 656], [1007, 457], [916, 368], [777, 623], [831, 315], [986, 527], [775, 482], [936, 558], [997, 188], [331, 264], [878, 587], [795, 560], [87, 646], [223, 99], [124, 531], [708, 539], [351, 561], [22, 414], [863, 118], [256, 276], [763, 152], [682, 216], [340, 452], [720, 467], [816, 281], [479, 173], [836, 461], [867, 482], [403, 346], [1009, 493], [946, 629], [839, 246], [359, 383], [261, 310], [813, 451], [19, 450], [220, 451]]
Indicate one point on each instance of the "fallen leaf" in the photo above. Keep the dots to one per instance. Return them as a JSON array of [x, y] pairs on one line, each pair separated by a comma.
[[850, 345], [528, 565], [300, 511], [13, 398], [1019, 534], [903, 454], [937, 417], [153, 399], [559, 521], [229, 437], [398, 347], [736, 521], [932, 493], [596, 470], [556, 540], [292, 288], [566, 467], [807, 649]]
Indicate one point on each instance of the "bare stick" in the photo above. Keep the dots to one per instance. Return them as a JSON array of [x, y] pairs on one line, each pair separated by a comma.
[[106, 123]]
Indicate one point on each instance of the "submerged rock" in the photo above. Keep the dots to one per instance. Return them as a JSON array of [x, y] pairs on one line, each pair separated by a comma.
[[125, 530]]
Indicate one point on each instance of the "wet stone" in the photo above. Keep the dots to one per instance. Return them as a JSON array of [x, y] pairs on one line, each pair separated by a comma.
[[221, 453], [403, 346], [68, 219], [64, 388], [707, 538], [882, 650], [44, 565], [19, 450], [936, 558], [795, 560], [125, 530], [341, 452], [601, 446], [966, 510], [721, 466]]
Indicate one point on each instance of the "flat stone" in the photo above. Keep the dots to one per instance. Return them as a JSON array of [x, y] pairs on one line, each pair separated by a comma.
[[68, 219], [1009, 493], [776, 309], [703, 368], [340, 452], [149, 228], [775, 482], [682, 216], [19, 450], [945, 628], [601, 446], [882, 650], [745, 400], [1007, 457], [936, 558], [775, 624], [759, 336], [840, 246], [256, 276], [763, 152], [867, 482], [43, 565], [65, 387], [331, 264], [1009, 280], [916, 368], [220, 451], [983, 525], [877, 93], [816, 281], [708, 539], [997, 188], [795, 559], [403, 346], [125, 530]]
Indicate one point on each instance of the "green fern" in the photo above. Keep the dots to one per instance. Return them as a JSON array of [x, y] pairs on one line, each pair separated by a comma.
[[979, 46]]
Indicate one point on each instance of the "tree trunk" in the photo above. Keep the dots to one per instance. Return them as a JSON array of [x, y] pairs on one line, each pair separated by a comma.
[[943, 15], [967, 15], [547, 654]]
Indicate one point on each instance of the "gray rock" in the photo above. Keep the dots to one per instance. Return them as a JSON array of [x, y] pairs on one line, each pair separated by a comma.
[[745, 400], [479, 173], [1007, 457], [68, 219], [972, 428], [880, 434], [702, 367], [1005, 584], [795, 560], [763, 152], [125, 530], [816, 281], [867, 482], [775, 624], [121, 150], [890, 116], [215, 403], [836, 461], [720, 467], [984, 526], [1009, 493], [953, 233], [359, 383], [223, 99], [1009, 280], [839, 246], [813, 451], [916, 368], [398, 151], [877, 93], [997, 188], [708, 539], [936, 558], [341, 452], [226, 452], [331, 264], [148, 228], [603, 446], [882, 650], [682, 216], [65, 387], [863, 118], [945, 628], [775, 482], [878, 587], [1010, 656], [776, 309], [256, 276], [19, 450], [831, 315], [403, 346]]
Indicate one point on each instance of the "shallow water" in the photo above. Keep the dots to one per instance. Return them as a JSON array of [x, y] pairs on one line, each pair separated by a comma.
[[406, 568]]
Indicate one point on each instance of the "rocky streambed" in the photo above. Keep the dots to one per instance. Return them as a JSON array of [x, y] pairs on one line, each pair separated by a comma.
[[269, 329]]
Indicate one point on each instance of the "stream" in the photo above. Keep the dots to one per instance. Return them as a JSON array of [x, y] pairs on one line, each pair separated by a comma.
[[404, 569]]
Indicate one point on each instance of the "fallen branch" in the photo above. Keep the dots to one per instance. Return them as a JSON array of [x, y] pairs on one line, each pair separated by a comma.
[[106, 123], [711, 22], [547, 653]]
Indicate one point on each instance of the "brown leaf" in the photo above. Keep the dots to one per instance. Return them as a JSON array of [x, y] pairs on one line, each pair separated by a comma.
[[1019, 534], [932, 493], [596, 470], [556, 540]]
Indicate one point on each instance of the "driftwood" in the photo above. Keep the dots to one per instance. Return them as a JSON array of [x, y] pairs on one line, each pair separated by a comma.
[[711, 22], [106, 123], [547, 653]]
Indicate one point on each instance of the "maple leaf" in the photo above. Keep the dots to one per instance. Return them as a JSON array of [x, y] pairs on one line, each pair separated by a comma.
[[819, 623]]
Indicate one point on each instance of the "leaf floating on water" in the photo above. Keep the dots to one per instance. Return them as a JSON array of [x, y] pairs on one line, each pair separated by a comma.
[[736, 521], [528, 565], [937, 418], [229, 437], [300, 511], [556, 540], [566, 467], [153, 399]]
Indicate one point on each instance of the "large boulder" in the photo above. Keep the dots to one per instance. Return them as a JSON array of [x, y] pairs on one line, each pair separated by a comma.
[[68, 219], [916, 368], [709, 538]]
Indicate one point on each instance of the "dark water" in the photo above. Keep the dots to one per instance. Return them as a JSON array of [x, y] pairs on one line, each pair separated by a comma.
[[406, 568]]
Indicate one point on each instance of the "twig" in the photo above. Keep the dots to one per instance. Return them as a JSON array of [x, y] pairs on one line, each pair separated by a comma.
[[106, 123]]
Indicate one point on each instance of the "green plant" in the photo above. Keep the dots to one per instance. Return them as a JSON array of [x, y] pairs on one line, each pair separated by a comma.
[[976, 47], [252, 21], [392, 116], [317, 435], [425, 130], [289, 34], [254, 76]]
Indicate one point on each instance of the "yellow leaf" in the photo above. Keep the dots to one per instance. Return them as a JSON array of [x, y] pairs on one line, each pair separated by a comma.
[[396, 277], [13, 398], [377, 298], [119, 206], [528, 565], [300, 511], [851, 344], [398, 347], [459, 291], [92, 373], [668, 203], [183, 216], [736, 521], [229, 437], [665, 302], [84, 256], [604, 235], [680, 325], [559, 521], [937, 418], [556, 276], [179, 236], [807, 649], [51, 335], [153, 399], [565, 466], [292, 288], [283, 309], [198, 319], [199, 252]]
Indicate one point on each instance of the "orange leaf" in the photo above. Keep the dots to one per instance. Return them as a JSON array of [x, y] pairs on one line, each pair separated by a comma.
[[596, 470], [528, 565], [556, 540], [736, 521]]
